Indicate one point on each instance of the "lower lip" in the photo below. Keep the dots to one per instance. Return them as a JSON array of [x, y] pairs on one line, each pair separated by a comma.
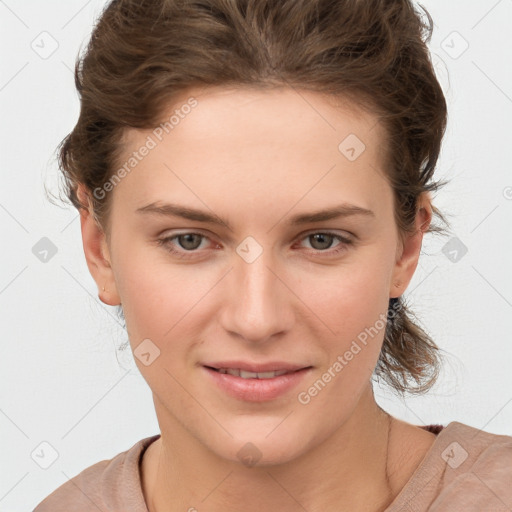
[[257, 390]]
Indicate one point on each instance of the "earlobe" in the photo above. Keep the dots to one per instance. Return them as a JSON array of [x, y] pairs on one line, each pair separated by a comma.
[[407, 261], [97, 253]]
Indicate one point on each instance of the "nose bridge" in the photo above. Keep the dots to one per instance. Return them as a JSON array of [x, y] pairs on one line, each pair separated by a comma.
[[259, 305]]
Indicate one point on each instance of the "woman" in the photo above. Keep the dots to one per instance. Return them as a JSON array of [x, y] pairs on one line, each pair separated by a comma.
[[295, 142]]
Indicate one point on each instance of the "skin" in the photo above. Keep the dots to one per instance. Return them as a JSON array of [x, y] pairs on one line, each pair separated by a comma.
[[254, 159]]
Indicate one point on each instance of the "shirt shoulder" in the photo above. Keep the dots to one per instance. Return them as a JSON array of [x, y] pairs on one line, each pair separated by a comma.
[[109, 485], [465, 469]]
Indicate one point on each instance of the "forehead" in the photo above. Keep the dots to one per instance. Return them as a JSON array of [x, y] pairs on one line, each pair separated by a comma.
[[201, 113], [283, 144]]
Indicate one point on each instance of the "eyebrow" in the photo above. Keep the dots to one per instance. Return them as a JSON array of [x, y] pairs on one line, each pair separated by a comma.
[[175, 210]]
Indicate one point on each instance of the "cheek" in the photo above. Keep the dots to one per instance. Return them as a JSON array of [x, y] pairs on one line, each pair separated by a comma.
[[165, 304], [346, 300], [353, 312], [154, 291], [152, 295], [351, 304]]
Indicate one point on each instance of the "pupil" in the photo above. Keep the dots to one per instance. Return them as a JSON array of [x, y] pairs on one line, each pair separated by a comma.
[[189, 239], [322, 236]]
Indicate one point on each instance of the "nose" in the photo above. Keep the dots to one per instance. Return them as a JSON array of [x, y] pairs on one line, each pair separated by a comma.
[[258, 303]]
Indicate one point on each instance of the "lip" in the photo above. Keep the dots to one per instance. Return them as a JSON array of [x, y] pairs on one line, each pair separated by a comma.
[[256, 390], [271, 366]]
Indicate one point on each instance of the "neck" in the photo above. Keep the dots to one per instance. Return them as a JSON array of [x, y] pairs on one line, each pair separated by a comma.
[[354, 469]]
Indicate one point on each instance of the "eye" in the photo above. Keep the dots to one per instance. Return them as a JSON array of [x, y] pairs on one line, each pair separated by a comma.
[[188, 242], [322, 241], [186, 245]]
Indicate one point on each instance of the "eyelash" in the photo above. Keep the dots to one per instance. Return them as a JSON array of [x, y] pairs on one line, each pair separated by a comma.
[[165, 243]]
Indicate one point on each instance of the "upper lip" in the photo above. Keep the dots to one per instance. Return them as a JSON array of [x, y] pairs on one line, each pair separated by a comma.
[[270, 366]]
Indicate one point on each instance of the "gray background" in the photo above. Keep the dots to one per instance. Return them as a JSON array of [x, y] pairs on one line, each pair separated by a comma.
[[66, 383]]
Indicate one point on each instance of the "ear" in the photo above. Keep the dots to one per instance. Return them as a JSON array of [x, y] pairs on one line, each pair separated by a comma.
[[96, 252], [408, 251]]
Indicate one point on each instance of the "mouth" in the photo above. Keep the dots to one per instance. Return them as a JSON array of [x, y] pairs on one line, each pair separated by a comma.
[[246, 374], [256, 383]]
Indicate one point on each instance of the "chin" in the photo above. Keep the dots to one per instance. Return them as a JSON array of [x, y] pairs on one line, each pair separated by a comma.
[[256, 447]]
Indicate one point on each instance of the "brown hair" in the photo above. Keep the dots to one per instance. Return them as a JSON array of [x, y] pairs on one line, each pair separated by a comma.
[[142, 53]]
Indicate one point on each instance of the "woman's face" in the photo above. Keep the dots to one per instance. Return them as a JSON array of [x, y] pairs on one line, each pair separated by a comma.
[[270, 284]]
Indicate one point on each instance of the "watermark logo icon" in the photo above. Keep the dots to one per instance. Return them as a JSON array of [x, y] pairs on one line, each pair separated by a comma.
[[249, 249], [454, 455], [44, 455], [454, 249], [454, 45], [146, 352], [249, 454], [45, 45], [352, 147], [44, 250]]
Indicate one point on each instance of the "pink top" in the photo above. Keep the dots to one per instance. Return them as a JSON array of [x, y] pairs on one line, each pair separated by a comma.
[[465, 469]]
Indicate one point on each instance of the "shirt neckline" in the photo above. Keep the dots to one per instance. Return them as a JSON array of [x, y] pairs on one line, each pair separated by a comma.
[[430, 466], [419, 478]]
